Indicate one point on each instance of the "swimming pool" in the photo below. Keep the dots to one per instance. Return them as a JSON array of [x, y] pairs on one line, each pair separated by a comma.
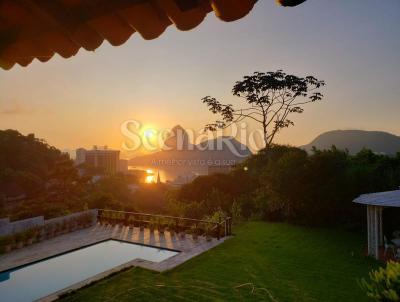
[[42, 278]]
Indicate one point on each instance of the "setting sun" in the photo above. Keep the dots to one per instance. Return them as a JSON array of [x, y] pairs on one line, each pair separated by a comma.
[[149, 133]]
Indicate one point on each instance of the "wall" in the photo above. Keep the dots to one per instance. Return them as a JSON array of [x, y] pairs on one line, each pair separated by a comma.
[[7, 227], [20, 225], [67, 217]]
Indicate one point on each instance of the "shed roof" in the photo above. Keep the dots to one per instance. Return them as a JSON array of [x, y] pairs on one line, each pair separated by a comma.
[[384, 199]]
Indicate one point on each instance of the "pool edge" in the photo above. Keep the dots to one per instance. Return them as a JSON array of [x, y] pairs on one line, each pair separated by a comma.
[[160, 267], [58, 294], [86, 246]]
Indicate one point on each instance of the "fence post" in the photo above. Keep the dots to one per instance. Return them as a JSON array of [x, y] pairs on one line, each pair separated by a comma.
[[126, 219], [219, 228], [226, 225]]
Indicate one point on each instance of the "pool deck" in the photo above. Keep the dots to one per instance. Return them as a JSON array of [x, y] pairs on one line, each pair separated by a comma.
[[187, 247]]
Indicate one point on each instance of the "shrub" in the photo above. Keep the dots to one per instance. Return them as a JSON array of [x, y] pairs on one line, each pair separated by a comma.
[[31, 233], [86, 219], [131, 220], [80, 221], [161, 222], [217, 216], [152, 224], [208, 228], [384, 284], [6, 241], [20, 237], [172, 227], [195, 231]]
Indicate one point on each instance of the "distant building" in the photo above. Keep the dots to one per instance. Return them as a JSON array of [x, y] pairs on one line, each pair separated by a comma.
[[104, 158], [123, 166], [80, 156]]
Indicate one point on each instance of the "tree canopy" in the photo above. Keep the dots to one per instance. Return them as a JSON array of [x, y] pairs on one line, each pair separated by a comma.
[[29, 163], [271, 98]]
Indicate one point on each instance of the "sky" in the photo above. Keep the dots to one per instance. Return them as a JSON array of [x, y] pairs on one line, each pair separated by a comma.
[[82, 101]]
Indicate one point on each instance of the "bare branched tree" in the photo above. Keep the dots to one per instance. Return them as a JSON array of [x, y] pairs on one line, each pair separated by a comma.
[[271, 98]]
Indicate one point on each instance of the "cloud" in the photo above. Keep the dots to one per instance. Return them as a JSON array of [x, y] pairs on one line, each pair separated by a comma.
[[14, 108]]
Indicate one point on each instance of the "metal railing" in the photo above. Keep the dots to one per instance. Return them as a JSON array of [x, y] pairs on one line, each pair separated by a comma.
[[219, 229]]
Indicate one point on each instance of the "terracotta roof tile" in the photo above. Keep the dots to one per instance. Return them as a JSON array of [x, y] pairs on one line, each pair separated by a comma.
[[37, 29]]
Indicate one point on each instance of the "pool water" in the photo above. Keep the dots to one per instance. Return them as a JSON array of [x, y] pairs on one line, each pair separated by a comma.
[[39, 279]]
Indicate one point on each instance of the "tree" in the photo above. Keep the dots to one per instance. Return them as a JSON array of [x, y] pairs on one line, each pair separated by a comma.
[[271, 98]]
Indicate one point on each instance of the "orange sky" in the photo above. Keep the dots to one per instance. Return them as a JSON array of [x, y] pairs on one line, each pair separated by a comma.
[[83, 101]]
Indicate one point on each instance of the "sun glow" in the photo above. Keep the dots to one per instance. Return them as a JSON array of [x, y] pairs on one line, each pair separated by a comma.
[[149, 179], [149, 137], [149, 133]]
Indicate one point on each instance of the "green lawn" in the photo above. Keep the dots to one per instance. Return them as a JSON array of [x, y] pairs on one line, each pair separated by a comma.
[[263, 262]]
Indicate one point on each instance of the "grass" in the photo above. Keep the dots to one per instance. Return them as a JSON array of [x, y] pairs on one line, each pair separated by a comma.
[[263, 262]]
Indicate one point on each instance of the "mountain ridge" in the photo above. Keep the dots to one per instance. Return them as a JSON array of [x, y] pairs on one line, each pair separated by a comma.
[[380, 142]]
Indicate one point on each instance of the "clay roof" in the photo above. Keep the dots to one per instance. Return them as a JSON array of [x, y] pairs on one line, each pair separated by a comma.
[[38, 29]]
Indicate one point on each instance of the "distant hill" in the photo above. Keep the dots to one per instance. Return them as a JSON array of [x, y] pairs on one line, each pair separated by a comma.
[[355, 140], [213, 151], [27, 163]]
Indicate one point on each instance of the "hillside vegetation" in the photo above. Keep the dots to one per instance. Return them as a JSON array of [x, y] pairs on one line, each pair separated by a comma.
[[27, 164], [286, 184]]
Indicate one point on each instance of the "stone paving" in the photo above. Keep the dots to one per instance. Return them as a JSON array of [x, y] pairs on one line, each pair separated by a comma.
[[188, 248]]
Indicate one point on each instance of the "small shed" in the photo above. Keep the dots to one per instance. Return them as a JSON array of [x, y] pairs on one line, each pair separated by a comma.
[[375, 203]]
